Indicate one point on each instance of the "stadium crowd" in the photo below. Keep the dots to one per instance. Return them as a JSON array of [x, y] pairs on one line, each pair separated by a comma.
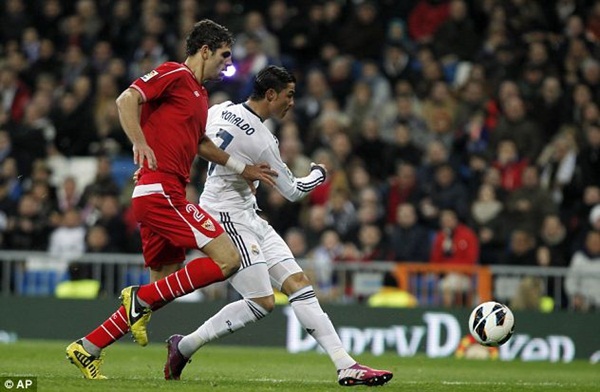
[[453, 131]]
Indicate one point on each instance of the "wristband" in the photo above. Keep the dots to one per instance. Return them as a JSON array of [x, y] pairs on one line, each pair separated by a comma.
[[235, 165], [319, 168]]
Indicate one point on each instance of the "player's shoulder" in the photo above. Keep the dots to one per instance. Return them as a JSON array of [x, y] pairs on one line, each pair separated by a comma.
[[169, 68]]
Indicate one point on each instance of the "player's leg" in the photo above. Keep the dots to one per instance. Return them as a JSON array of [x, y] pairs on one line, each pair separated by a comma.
[[86, 353], [307, 309], [258, 301], [185, 225], [287, 276], [251, 281], [181, 226]]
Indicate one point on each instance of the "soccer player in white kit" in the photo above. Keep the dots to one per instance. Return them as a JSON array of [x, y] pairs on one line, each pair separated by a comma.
[[266, 260]]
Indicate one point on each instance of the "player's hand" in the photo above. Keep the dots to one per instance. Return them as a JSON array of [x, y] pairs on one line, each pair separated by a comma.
[[143, 152], [261, 172], [319, 166], [136, 175]]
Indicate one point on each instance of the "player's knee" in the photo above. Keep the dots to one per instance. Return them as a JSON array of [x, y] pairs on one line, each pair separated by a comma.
[[229, 261], [267, 303], [294, 283], [231, 265]]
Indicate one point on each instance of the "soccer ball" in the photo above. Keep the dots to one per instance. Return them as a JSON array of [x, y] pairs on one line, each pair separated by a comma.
[[491, 323]]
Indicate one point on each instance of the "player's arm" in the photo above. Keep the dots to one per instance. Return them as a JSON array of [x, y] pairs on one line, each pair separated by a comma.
[[128, 104], [291, 187], [261, 171]]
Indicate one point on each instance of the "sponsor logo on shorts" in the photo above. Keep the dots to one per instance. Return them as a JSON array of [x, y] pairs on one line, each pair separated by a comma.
[[254, 249]]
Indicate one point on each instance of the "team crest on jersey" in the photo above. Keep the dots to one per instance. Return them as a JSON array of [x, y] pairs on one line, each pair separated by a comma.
[[254, 249], [208, 225], [149, 75]]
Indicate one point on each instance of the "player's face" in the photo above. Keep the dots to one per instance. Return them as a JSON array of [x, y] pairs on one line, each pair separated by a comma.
[[283, 102], [217, 62]]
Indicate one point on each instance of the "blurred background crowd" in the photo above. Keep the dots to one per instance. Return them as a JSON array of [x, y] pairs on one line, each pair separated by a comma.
[[454, 131]]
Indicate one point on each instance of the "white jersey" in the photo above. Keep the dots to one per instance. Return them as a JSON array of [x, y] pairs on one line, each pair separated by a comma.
[[239, 131]]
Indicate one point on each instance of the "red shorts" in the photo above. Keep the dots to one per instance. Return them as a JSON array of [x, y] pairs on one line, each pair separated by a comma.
[[169, 223]]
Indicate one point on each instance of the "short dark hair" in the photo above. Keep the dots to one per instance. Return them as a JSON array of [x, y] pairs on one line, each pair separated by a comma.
[[271, 77], [207, 32]]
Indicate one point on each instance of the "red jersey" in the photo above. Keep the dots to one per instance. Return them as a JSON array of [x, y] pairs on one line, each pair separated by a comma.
[[173, 116], [465, 247]]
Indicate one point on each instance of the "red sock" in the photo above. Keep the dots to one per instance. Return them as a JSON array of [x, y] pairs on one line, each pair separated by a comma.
[[111, 330], [196, 274]]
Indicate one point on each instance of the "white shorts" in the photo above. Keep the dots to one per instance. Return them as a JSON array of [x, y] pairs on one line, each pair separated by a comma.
[[266, 260]]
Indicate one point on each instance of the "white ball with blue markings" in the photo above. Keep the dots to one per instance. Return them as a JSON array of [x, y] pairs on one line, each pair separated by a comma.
[[491, 323]]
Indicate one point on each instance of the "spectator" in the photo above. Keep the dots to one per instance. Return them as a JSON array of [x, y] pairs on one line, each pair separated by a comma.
[[10, 174], [321, 264], [310, 104], [16, 94], [372, 245], [516, 125], [295, 238], [21, 157], [315, 225], [8, 208], [254, 25], [403, 111], [584, 271], [341, 79], [548, 108], [446, 193], [75, 128], [370, 147], [521, 249], [26, 230], [510, 164], [103, 183], [359, 107], [396, 63], [341, 212], [438, 109], [67, 241], [110, 217], [554, 250], [367, 214], [366, 19], [401, 188], [409, 240], [292, 149], [528, 205], [68, 194], [255, 58], [14, 20], [558, 163], [426, 18], [487, 220], [454, 244], [456, 39], [402, 148]]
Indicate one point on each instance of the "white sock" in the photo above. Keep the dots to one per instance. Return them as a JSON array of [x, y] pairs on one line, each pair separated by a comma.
[[308, 311], [231, 318]]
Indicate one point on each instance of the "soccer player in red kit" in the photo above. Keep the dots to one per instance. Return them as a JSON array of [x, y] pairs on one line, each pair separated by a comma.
[[164, 115]]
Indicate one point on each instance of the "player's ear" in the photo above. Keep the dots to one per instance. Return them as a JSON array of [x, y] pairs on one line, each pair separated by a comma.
[[205, 52]]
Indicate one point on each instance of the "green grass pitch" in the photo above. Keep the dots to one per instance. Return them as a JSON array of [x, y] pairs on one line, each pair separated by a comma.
[[227, 368]]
